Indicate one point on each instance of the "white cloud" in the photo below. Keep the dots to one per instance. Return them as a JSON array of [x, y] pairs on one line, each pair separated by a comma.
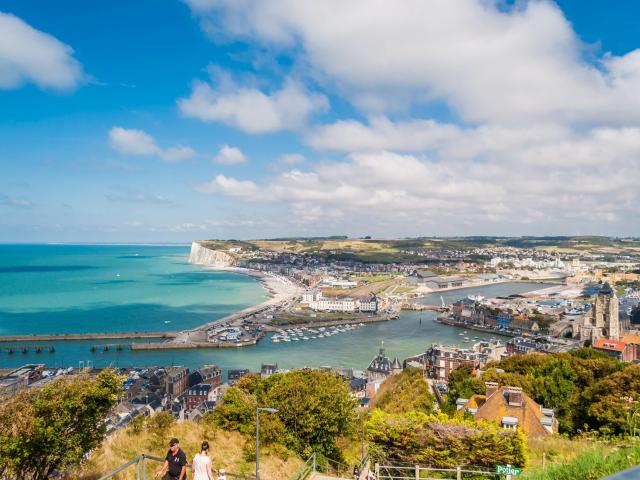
[[6, 200], [139, 143], [244, 189], [489, 64], [29, 55], [291, 159], [252, 110], [286, 161], [177, 154], [229, 156], [126, 194], [577, 183]]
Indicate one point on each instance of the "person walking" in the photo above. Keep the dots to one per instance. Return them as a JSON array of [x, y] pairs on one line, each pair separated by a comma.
[[201, 465], [223, 475], [356, 473], [175, 463]]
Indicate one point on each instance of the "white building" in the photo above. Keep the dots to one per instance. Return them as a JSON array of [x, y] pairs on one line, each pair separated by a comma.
[[311, 295], [334, 304], [368, 304]]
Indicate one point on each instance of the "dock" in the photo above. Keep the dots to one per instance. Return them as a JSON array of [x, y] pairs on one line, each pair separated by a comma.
[[47, 337]]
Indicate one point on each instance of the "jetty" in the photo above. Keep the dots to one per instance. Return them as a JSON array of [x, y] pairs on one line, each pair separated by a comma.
[[48, 337]]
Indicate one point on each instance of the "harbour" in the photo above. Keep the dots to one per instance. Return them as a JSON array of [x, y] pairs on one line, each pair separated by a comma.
[[411, 333]]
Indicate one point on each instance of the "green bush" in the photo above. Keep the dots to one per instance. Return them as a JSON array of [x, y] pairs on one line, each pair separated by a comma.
[[439, 441]]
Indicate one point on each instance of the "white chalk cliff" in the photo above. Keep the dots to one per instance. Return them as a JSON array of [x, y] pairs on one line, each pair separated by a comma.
[[209, 258]]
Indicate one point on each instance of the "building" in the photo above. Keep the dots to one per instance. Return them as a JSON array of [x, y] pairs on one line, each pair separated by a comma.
[[381, 366], [617, 349], [368, 304], [603, 320], [209, 374], [439, 361], [332, 304], [444, 282], [176, 381], [522, 345], [311, 295], [633, 342], [19, 378], [234, 375], [268, 369], [197, 394], [512, 409]]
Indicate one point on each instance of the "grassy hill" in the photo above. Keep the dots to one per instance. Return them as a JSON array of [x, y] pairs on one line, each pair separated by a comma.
[[391, 250], [227, 451]]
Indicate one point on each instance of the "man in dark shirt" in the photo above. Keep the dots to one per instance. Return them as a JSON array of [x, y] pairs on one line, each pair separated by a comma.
[[175, 463]]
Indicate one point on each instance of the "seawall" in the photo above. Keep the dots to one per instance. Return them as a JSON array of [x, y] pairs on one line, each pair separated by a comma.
[[209, 258]]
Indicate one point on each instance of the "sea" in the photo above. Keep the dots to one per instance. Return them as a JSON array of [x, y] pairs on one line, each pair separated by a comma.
[[117, 288]]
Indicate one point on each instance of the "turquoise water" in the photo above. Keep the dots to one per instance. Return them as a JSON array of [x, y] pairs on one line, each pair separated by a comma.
[[61, 289]]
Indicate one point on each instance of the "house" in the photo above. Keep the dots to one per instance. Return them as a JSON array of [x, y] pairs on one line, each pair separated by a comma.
[[234, 375], [358, 387], [381, 366], [19, 378], [197, 394], [616, 348], [512, 409], [176, 380], [522, 345], [208, 374], [368, 304], [439, 361], [525, 325], [268, 369]]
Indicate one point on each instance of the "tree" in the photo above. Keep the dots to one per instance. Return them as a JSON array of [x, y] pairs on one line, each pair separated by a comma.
[[44, 432], [314, 408], [611, 400], [405, 392]]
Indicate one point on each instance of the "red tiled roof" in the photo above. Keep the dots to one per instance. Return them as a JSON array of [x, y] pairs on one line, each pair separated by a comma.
[[607, 344]]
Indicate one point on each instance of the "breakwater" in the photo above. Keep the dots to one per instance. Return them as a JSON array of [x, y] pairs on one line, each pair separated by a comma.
[[86, 336]]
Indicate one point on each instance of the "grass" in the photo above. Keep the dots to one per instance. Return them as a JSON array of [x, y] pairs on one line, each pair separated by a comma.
[[371, 279], [595, 463], [226, 452]]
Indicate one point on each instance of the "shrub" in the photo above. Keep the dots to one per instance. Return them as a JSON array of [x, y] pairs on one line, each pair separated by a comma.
[[438, 441]]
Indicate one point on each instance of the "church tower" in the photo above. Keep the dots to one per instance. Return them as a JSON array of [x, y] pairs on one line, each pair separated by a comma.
[[605, 317]]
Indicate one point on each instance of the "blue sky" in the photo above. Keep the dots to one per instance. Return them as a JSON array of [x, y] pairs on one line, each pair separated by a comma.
[[168, 121]]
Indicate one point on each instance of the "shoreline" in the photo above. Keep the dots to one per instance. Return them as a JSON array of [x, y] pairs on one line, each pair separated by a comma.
[[279, 289]]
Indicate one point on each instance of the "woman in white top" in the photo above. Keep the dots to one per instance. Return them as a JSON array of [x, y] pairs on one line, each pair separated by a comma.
[[201, 465]]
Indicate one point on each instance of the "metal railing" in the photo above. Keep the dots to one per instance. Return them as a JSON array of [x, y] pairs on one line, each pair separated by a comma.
[[418, 472], [306, 469], [321, 464], [141, 463]]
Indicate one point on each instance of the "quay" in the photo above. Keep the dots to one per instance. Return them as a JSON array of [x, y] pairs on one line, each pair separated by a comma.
[[86, 336], [477, 328]]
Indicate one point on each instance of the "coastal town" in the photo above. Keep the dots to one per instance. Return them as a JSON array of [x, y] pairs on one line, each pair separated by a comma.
[[583, 301]]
